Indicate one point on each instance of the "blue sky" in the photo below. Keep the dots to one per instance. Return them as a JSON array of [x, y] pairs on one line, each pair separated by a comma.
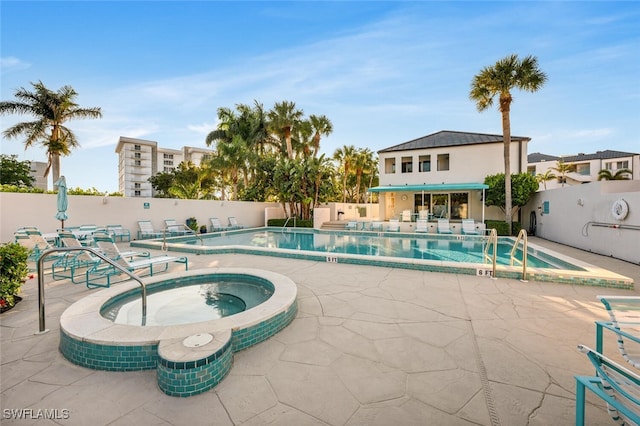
[[382, 72]]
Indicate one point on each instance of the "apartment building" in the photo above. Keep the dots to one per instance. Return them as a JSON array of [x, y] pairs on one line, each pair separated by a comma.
[[586, 167], [444, 173], [140, 159]]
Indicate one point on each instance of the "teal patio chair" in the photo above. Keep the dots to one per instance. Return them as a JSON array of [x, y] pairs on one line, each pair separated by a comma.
[[119, 233], [624, 315]]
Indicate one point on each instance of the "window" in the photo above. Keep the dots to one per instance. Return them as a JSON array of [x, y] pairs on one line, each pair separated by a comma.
[[407, 164], [136, 185], [424, 163], [443, 162], [137, 147], [440, 206], [460, 205], [622, 165], [138, 163], [583, 169], [390, 165], [137, 193], [531, 170], [609, 165], [168, 169], [137, 155], [169, 156], [168, 162]]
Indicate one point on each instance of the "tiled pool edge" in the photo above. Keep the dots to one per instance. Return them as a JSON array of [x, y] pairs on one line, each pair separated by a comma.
[[98, 349]]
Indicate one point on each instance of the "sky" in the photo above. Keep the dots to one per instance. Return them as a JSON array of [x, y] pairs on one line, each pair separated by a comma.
[[384, 72]]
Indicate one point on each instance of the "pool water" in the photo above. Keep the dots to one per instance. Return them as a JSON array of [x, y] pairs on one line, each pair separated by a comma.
[[461, 249], [184, 302]]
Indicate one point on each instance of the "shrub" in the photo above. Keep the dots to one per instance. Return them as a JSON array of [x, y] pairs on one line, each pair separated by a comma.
[[502, 228], [13, 271], [299, 223]]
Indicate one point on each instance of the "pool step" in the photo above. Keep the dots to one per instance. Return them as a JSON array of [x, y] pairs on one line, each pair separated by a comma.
[[334, 224]]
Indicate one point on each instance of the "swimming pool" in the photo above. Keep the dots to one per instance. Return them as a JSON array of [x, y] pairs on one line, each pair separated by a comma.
[[442, 253]]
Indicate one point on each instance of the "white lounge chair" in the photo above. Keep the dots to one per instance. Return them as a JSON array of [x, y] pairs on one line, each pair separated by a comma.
[[105, 271], [147, 231], [174, 228], [351, 226], [423, 214], [394, 225], [443, 227], [422, 225], [119, 233], [406, 215], [469, 227], [216, 225], [624, 315], [233, 223], [376, 226]]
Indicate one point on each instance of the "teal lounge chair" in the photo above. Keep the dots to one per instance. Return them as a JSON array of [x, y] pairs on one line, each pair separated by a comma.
[[351, 226], [119, 233], [624, 315]]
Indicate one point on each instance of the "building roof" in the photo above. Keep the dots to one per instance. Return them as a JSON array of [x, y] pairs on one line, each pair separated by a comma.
[[599, 155], [536, 157], [429, 187], [446, 138]]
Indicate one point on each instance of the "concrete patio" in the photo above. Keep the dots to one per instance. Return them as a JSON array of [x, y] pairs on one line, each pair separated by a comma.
[[369, 346]]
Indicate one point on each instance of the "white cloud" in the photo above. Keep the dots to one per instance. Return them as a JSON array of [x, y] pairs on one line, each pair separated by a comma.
[[11, 64]]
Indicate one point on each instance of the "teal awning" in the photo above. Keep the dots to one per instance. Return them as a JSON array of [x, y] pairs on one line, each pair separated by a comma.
[[432, 187]]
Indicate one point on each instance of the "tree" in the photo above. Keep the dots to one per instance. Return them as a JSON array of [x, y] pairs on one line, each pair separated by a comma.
[[620, 174], [498, 80], [321, 126], [545, 177], [346, 157], [283, 118], [523, 187], [563, 168], [161, 183], [50, 111], [14, 172]]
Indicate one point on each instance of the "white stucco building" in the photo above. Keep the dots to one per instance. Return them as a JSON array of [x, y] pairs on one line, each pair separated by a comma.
[[140, 159], [444, 173]]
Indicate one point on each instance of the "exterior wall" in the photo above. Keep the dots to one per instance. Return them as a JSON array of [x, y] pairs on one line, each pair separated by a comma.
[[467, 164], [576, 211], [17, 210], [37, 172]]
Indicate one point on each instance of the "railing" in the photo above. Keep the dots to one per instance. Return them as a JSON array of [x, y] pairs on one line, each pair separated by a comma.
[[287, 221], [522, 237], [96, 253], [492, 240], [188, 231]]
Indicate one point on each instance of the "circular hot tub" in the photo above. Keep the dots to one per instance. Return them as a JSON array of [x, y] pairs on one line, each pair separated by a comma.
[[195, 321]]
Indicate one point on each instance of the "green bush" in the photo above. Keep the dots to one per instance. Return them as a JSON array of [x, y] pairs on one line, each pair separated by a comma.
[[299, 223], [502, 228], [13, 272]]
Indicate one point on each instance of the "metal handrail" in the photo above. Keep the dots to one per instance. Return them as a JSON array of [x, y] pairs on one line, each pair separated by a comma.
[[522, 236], [96, 253], [493, 238], [190, 232], [287, 221]]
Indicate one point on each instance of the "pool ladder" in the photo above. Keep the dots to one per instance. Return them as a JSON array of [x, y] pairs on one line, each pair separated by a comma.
[[492, 240], [188, 231], [284, 227], [97, 253], [522, 238]]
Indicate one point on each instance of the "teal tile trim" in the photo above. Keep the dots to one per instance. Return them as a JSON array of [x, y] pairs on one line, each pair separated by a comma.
[[249, 336]]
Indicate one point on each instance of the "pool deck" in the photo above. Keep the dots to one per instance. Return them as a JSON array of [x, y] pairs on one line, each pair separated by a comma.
[[369, 346]]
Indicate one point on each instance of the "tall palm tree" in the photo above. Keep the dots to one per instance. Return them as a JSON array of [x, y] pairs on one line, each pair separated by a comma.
[[498, 80], [563, 168], [345, 157], [322, 126], [620, 174], [50, 111], [284, 117]]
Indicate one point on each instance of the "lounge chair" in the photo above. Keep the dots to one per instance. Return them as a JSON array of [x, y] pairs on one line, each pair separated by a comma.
[[422, 225], [406, 215], [174, 228], [35, 241], [394, 225], [423, 214], [614, 384], [624, 313], [105, 271], [216, 225], [147, 231], [119, 233], [376, 226], [443, 227], [469, 227], [233, 223], [351, 226]]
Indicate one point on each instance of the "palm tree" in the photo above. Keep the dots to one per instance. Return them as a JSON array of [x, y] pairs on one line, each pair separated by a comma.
[[563, 168], [545, 177], [498, 80], [322, 126], [50, 111], [345, 157], [620, 174], [284, 117]]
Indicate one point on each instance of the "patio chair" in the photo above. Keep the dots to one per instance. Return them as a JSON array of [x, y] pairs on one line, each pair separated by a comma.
[[119, 233], [422, 225], [406, 215], [423, 214], [624, 313], [105, 271], [174, 228], [216, 225], [376, 226], [351, 226], [35, 241], [614, 384], [147, 231], [394, 225], [443, 227], [233, 223], [469, 227]]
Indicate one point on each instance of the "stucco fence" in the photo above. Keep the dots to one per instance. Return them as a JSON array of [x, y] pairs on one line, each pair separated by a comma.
[[582, 216]]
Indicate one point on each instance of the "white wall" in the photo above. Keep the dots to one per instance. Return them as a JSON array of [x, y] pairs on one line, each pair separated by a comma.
[[573, 211], [39, 210]]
